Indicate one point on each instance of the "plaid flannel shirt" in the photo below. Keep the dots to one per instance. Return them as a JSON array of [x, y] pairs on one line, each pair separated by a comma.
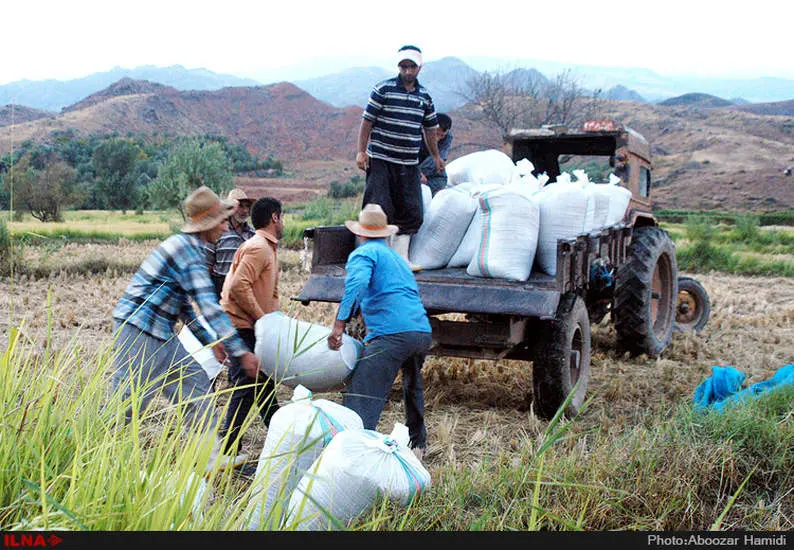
[[160, 292]]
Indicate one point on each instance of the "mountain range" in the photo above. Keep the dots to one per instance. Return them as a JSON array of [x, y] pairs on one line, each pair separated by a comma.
[[446, 79], [707, 152]]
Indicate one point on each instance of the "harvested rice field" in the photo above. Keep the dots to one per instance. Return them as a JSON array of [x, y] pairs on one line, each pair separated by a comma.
[[476, 410]]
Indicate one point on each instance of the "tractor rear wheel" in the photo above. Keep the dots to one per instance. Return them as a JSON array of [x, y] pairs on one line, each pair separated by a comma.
[[646, 292]]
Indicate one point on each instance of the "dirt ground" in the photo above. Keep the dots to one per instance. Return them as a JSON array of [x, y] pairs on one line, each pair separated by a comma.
[[475, 409]]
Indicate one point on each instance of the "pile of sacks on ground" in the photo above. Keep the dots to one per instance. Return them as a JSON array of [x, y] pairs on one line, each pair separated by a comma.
[[320, 469], [499, 220]]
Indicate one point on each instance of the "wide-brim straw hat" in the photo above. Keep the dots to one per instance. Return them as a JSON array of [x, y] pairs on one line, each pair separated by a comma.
[[372, 222], [240, 196], [204, 210]]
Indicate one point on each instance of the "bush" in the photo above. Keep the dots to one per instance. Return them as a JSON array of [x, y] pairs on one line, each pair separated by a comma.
[[351, 188], [747, 228]]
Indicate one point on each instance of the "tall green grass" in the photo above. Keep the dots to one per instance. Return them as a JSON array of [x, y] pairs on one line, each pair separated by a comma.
[[70, 462]]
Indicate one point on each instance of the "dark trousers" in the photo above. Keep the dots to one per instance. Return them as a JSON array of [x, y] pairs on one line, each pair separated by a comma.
[[396, 188], [374, 375], [247, 392], [217, 282], [436, 183]]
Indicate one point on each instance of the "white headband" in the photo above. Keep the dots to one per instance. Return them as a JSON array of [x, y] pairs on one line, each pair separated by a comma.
[[411, 55]]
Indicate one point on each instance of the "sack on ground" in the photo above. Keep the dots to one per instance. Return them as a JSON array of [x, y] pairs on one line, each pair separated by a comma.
[[444, 225], [294, 352], [203, 355], [298, 433], [481, 167], [353, 471], [509, 218], [192, 498]]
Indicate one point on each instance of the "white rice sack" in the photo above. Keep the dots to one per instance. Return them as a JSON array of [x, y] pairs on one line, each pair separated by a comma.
[[509, 218], [480, 167], [353, 471], [617, 201], [468, 245], [445, 224], [191, 498], [294, 352], [566, 210], [525, 167], [298, 433], [203, 355]]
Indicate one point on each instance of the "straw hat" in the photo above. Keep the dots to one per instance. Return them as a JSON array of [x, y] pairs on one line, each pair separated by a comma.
[[372, 223], [240, 196], [204, 210]]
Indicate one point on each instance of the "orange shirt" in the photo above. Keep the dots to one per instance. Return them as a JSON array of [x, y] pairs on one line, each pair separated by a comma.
[[251, 286]]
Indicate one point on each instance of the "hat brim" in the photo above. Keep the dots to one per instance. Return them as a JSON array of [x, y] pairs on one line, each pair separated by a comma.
[[355, 228], [208, 222]]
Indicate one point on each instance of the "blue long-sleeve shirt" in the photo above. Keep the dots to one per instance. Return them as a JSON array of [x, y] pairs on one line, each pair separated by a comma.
[[159, 294], [427, 163], [380, 282]]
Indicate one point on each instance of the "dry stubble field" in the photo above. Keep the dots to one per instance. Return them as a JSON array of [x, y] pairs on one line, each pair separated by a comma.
[[476, 410]]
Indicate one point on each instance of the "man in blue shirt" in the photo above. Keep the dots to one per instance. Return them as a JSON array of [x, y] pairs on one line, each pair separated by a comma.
[[389, 139], [148, 357], [398, 337]]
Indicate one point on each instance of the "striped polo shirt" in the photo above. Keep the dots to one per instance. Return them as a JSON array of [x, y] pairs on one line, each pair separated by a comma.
[[397, 117]]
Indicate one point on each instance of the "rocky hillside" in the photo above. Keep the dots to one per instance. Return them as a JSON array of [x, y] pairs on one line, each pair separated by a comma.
[[715, 158], [704, 156], [279, 120], [17, 114]]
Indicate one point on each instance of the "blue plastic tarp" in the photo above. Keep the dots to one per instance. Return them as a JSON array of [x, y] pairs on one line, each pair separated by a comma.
[[724, 386]]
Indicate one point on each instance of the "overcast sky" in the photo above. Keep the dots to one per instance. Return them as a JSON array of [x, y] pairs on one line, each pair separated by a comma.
[[70, 39]]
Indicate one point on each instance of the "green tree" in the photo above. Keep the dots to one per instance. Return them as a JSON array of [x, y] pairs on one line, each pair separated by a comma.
[[191, 164], [45, 192], [114, 163]]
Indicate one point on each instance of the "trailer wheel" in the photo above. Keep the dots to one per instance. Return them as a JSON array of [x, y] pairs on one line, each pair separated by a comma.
[[694, 306], [646, 291], [562, 359]]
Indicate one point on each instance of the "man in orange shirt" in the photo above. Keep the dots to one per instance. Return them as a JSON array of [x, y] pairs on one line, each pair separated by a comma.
[[249, 292]]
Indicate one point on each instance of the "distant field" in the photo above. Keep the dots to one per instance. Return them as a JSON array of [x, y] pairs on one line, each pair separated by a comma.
[[102, 226]]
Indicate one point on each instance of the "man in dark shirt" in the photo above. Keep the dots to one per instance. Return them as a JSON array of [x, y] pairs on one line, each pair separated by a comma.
[[220, 254], [435, 180], [389, 140]]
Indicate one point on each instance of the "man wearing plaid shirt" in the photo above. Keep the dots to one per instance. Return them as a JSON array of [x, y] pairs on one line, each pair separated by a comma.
[[149, 358]]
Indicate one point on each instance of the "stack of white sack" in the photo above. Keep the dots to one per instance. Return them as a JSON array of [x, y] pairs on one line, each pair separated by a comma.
[[570, 208], [298, 433], [294, 352], [445, 223], [354, 470], [509, 219], [202, 354], [471, 239], [482, 167]]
